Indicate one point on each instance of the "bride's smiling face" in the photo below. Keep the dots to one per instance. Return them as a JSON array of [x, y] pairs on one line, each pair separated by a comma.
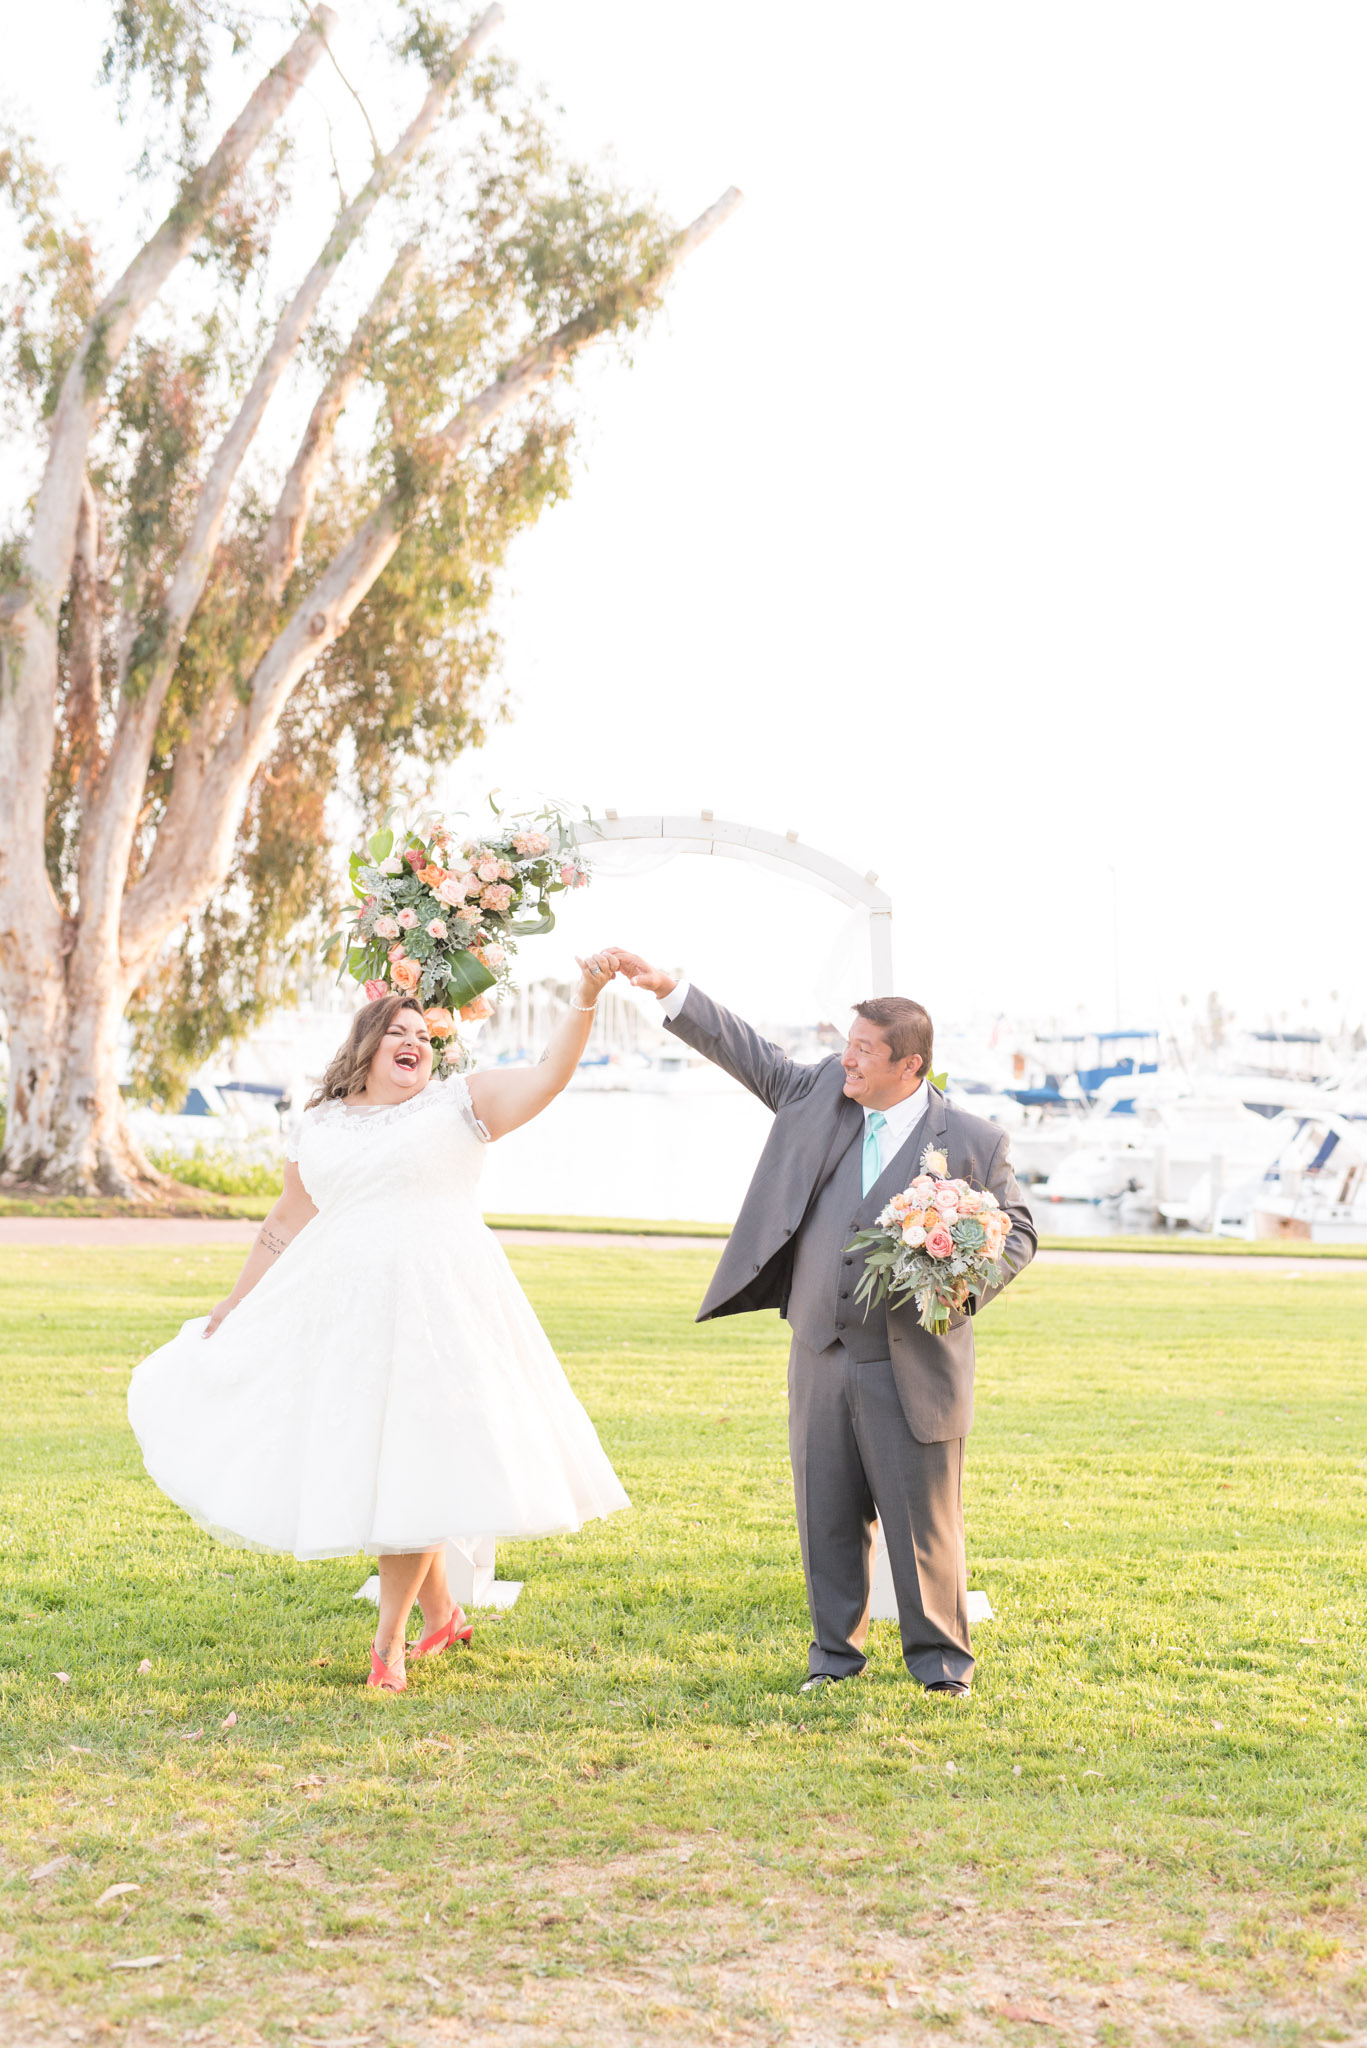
[[402, 1062]]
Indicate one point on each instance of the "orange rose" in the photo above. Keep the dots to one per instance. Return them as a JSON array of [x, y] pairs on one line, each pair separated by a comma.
[[432, 875], [931, 1220], [439, 1022], [405, 975], [472, 1012]]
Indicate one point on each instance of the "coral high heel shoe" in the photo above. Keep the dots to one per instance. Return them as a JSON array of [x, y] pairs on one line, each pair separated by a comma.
[[457, 1630], [381, 1677]]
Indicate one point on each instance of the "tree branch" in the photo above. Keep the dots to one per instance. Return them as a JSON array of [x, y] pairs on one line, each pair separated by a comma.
[[182, 875], [281, 548]]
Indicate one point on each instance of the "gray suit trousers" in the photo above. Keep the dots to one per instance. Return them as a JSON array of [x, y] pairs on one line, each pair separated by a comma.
[[854, 1460]]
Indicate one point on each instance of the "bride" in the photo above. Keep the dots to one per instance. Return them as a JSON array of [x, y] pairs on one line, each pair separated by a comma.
[[377, 1380]]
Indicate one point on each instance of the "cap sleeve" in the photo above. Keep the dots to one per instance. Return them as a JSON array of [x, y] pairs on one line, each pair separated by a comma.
[[461, 1094]]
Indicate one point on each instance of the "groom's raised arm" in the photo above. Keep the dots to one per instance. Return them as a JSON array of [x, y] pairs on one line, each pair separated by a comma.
[[722, 1037]]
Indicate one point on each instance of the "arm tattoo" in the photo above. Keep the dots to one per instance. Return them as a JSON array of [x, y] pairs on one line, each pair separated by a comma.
[[272, 1241]]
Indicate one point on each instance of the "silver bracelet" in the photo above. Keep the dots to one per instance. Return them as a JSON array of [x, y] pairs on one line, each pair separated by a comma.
[[585, 1007]]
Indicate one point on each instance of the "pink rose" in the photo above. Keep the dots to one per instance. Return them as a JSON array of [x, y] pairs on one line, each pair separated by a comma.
[[374, 990], [386, 928], [396, 952], [496, 897], [408, 918], [415, 857], [452, 891], [939, 1244], [567, 875], [923, 1183], [436, 929], [487, 869], [913, 1234]]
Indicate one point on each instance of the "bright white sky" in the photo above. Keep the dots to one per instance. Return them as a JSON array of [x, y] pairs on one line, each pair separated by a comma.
[[988, 506]]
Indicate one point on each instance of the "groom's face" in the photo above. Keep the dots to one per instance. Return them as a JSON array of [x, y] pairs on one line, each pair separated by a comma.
[[873, 1078]]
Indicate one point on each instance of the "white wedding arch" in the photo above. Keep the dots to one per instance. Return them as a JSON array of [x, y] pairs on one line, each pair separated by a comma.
[[471, 1566], [783, 853]]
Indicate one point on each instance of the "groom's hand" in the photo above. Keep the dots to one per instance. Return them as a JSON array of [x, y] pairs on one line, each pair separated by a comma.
[[641, 974]]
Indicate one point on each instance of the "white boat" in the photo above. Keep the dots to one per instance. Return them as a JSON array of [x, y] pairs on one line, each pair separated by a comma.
[[1314, 1185], [1151, 1140]]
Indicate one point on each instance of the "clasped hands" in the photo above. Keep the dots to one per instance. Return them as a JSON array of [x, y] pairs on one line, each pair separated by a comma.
[[601, 968]]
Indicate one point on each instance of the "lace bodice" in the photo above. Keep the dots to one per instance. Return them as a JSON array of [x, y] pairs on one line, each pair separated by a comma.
[[414, 1155]]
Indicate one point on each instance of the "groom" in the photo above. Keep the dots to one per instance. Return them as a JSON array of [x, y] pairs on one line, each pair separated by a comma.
[[878, 1409]]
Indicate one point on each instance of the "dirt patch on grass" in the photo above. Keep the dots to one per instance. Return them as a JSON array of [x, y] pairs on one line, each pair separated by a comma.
[[696, 1944]]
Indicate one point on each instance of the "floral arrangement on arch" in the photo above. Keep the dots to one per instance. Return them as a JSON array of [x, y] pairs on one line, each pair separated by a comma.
[[441, 917], [939, 1241]]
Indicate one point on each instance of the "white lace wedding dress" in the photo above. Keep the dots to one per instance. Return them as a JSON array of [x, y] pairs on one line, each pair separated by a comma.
[[386, 1385]]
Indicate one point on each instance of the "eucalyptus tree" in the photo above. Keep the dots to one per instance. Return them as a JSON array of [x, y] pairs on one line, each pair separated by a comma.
[[201, 629]]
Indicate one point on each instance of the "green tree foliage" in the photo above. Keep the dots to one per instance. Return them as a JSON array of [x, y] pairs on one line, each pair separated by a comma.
[[507, 244]]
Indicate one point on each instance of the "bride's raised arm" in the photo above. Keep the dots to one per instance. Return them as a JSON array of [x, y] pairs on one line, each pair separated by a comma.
[[505, 1097]]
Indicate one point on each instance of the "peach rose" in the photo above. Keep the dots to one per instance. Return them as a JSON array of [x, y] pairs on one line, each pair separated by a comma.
[[970, 1202], [492, 956], [451, 891], [374, 990], [531, 844], [435, 928], [471, 1013], [439, 1021], [386, 928], [408, 918], [939, 1243], [487, 869], [407, 975]]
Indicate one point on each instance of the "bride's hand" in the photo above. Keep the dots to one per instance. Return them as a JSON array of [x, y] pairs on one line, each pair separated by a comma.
[[597, 971], [217, 1314]]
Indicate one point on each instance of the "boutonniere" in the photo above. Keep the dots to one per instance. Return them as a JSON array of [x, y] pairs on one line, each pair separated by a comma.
[[933, 1161]]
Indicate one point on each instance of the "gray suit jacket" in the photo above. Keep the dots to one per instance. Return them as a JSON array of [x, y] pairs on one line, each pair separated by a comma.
[[806, 1156]]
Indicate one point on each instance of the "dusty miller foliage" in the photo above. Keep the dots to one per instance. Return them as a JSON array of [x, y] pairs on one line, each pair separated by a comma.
[[515, 241]]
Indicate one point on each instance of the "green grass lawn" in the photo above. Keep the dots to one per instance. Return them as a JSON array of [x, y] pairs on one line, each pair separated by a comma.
[[614, 1819]]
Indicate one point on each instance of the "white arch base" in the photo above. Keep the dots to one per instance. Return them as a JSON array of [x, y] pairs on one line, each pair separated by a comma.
[[781, 854], [883, 1601]]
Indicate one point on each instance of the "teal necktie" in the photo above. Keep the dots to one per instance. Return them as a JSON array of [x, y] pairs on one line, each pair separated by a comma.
[[873, 1158]]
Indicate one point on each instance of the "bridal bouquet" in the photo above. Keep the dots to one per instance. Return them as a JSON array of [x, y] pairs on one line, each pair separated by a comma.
[[939, 1240], [440, 918]]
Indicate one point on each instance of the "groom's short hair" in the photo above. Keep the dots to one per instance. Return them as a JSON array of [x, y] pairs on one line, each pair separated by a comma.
[[905, 1025]]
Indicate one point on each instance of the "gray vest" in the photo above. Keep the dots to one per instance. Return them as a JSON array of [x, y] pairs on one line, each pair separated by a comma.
[[821, 1304]]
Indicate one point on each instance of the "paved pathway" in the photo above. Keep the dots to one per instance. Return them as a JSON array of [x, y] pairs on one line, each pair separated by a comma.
[[116, 1233]]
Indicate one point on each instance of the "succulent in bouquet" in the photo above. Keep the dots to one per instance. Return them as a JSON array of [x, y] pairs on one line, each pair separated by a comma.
[[440, 915]]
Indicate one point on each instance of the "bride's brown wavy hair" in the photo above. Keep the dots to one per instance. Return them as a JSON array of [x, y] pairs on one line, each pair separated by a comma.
[[349, 1065]]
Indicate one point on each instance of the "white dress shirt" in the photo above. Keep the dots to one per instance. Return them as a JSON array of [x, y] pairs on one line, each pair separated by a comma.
[[902, 1118]]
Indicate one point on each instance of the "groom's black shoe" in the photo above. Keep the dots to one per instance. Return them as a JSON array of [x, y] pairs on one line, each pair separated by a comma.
[[820, 1678], [955, 1687]]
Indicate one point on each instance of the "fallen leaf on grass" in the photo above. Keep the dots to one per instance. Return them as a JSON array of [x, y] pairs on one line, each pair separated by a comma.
[[1036, 2014], [43, 1870], [894, 2001], [140, 1963], [76, 1751], [115, 1891], [303, 1784], [193, 1738], [432, 1981], [229, 1721], [144, 1667], [62, 1677]]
